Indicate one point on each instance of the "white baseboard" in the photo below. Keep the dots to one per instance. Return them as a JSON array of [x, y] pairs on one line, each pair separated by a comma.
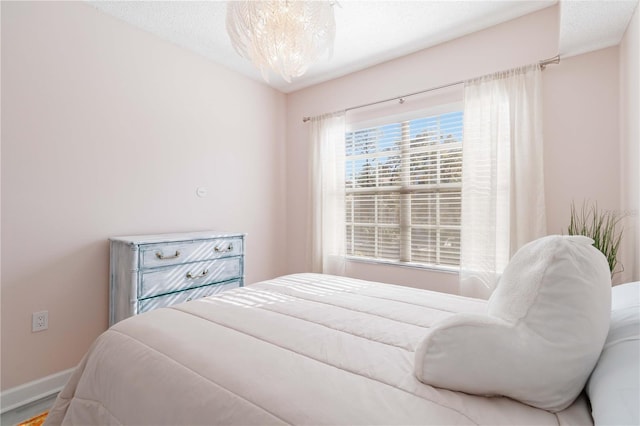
[[29, 392]]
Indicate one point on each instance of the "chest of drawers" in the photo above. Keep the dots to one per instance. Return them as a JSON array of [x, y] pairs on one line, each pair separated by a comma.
[[153, 271]]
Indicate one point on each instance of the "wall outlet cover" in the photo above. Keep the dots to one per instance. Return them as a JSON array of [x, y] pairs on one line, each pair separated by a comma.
[[40, 321]]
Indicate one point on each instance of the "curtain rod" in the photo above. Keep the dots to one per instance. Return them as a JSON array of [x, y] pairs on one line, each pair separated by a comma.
[[543, 64]]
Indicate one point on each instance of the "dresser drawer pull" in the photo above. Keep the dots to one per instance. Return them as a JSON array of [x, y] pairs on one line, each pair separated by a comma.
[[161, 255], [224, 250], [200, 275]]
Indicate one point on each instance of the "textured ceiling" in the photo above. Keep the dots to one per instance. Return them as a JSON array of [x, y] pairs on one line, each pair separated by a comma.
[[586, 26], [371, 32]]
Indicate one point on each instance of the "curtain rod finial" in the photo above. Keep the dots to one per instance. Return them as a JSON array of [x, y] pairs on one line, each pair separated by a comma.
[[550, 61]]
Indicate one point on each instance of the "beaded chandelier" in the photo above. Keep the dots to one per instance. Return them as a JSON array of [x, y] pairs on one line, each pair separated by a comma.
[[285, 36]]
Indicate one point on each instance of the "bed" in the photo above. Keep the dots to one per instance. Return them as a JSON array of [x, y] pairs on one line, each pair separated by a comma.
[[298, 349]]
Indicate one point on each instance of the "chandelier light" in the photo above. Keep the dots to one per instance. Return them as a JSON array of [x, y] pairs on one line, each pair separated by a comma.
[[285, 36]]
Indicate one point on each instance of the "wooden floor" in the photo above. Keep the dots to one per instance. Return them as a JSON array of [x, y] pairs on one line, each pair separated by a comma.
[[15, 416]]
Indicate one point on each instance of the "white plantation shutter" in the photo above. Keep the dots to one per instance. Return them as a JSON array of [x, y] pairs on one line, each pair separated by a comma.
[[402, 189]]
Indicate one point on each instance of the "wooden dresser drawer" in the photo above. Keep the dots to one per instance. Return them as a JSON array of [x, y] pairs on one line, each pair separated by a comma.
[[145, 305], [158, 270], [155, 255], [180, 277]]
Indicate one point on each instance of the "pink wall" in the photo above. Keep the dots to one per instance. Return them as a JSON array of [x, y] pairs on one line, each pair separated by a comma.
[[108, 130], [581, 134], [519, 42], [630, 147]]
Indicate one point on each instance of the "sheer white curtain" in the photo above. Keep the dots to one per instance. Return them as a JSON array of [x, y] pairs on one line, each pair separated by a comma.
[[502, 174], [327, 136]]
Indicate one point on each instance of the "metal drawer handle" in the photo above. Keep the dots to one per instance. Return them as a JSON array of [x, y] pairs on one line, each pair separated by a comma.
[[224, 250], [200, 275], [161, 255]]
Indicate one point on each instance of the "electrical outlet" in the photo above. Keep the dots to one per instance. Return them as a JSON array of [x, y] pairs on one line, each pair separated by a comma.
[[40, 321]]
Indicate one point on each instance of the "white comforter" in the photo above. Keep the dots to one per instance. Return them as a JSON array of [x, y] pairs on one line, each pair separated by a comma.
[[300, 349]]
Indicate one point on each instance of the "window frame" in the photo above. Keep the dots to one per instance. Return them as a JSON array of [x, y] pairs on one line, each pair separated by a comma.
[[408, 189]]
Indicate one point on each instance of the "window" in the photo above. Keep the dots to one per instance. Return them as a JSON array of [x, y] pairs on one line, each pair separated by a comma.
[[403, 182]]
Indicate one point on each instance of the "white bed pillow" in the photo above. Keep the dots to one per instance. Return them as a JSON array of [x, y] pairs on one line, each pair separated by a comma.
[[614, 385], [545, 326]]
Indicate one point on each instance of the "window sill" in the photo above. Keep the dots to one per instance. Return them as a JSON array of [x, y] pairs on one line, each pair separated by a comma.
[[435, 268]]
